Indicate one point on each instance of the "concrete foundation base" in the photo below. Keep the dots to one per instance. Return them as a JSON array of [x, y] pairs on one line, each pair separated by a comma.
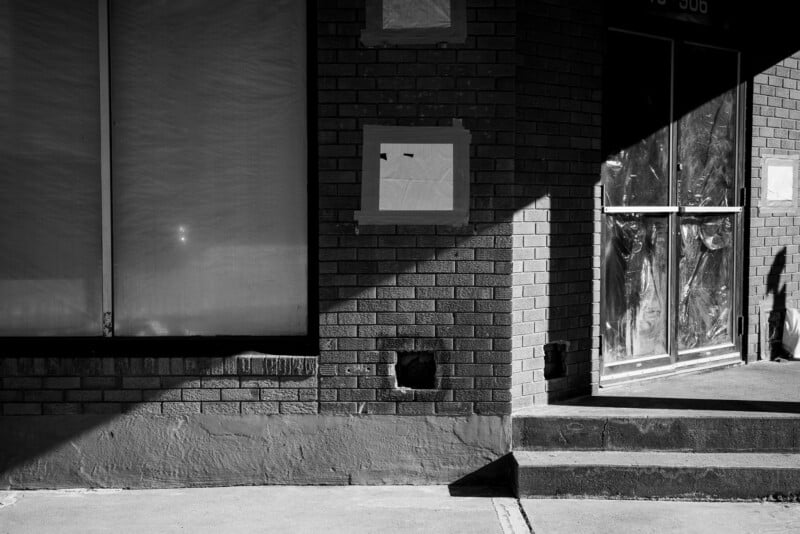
[[146, 451]]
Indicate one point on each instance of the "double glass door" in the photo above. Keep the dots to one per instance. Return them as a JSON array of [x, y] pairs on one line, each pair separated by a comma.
[[671, 205]]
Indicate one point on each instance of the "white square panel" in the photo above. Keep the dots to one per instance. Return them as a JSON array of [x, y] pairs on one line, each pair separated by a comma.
[[780, 183], [415, 14], [416, 177]]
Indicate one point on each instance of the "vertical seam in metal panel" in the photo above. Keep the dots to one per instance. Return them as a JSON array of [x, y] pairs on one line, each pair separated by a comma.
[[105, 165], [673, 266], [738, 264], [311, 337]]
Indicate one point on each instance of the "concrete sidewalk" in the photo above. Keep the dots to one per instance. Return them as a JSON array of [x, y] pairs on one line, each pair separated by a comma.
[[362, 509]]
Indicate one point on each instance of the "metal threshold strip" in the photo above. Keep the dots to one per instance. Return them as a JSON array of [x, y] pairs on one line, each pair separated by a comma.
[[707, 349], [640, 209], [672, 209], [636, 360], [673, 369]]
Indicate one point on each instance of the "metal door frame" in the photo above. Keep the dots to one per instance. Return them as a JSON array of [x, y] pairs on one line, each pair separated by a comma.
[[676, 361]]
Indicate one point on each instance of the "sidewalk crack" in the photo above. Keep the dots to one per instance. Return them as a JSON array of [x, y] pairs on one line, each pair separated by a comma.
[[511, 516], [525, 517]]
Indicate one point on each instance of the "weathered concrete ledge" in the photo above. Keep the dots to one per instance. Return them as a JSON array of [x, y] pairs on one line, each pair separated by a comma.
[[146, 451]]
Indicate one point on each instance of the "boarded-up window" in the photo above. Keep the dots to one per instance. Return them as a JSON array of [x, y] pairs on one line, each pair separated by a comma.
[[779, 184], [410, 14], [415, 175], [414, 22]]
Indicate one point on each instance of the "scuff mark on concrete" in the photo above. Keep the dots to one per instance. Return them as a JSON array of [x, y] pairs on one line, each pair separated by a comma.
[[8, 499], [470, 433], [80, 492], [511, 516]]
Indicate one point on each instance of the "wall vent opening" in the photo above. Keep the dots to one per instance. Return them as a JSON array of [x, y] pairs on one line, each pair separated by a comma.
[[415, 370], [555, 361]]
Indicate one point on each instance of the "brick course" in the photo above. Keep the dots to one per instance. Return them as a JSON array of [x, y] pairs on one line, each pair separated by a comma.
[[162, 385]]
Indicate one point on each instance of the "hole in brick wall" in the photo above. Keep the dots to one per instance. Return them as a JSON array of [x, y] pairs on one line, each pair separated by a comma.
[[416, 370], [555, 361]]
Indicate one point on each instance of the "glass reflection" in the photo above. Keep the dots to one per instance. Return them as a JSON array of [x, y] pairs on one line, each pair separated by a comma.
[[706, 148], [637, 176], [636, 131]]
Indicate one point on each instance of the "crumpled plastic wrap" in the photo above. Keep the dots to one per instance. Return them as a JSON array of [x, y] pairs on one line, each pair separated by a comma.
[[416, 14], [638, 175], [416, 177], [706, 260], [635, 278], [706, 151]]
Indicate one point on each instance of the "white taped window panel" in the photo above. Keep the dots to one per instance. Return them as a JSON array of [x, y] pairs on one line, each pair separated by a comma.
[[209, 167], [50, 207], [413, 14], [780, 183], [779, 174], [414, 22], [416, 177]]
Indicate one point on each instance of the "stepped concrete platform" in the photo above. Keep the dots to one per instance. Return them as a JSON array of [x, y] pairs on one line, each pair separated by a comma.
[[729, 434]]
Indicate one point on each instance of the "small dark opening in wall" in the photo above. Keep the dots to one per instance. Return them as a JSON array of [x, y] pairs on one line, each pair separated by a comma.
[[416, 370], [555, 364]]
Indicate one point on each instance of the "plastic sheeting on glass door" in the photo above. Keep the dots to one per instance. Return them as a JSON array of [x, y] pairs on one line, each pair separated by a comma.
[[705, 273], [635, 278]]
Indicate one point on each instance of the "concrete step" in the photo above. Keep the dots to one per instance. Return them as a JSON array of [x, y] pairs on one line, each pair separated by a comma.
[[655, 474], [658, 430]]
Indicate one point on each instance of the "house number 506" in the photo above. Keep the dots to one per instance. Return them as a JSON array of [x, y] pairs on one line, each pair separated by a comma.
[[694, 6]]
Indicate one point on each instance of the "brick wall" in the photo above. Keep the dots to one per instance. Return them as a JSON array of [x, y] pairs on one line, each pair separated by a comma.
[[389, 289], [556, 236], [774, 255], [526, 83], [242, 384]]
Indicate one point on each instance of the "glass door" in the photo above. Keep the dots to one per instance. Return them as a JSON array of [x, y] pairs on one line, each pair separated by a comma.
[[707, 173], [670, 213]]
